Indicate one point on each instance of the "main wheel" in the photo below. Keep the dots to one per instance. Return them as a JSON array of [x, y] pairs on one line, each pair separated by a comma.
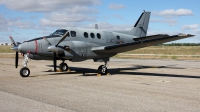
[[63, 67], [24, 72], [102, 70]]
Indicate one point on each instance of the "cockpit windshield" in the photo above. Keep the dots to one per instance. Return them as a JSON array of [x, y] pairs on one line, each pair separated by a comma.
[[59, 32]]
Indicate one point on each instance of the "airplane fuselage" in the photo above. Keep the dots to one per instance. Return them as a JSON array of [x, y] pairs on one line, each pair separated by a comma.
[[78, 44], [79, 41]]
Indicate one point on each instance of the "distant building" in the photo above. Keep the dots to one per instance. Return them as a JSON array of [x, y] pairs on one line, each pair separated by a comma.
[[6, 44]]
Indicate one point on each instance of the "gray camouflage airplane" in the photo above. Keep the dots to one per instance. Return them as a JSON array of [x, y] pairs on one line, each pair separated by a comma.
[[79, 44]]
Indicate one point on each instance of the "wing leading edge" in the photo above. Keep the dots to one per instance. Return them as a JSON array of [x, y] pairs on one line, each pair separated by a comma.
[[139, 43]]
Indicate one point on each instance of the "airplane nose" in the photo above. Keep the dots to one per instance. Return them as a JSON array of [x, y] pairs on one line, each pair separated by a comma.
[[23, 48]]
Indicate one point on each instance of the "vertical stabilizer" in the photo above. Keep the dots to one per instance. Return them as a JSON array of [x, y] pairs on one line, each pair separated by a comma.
[[141, 26]]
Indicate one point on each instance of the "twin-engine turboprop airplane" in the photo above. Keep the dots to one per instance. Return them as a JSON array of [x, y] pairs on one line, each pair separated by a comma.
[[79, 44]]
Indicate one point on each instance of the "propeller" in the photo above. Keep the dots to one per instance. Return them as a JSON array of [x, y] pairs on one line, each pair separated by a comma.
[[64, 36], [16, 59], [54, 49], [15, 48], [54, 61]]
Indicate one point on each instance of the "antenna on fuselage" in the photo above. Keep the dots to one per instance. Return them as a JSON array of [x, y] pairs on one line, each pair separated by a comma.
[[96, 26]]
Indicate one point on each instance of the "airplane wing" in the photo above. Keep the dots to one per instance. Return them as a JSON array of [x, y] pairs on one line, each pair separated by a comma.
[[139, 43]]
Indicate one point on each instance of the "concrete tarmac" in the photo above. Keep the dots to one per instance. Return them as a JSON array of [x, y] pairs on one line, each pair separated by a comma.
[[134, 85]]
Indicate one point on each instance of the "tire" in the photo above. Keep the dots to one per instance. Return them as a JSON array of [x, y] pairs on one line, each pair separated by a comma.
[[63, 67], [24, 72], [102, 70]]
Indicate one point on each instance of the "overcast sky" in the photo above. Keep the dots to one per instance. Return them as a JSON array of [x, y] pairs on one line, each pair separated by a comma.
[[27, 19]]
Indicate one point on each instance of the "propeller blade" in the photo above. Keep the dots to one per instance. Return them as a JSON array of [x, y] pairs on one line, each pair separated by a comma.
[[16, 59], [54, 61], [13, 41], [46, 40], [65, 35]]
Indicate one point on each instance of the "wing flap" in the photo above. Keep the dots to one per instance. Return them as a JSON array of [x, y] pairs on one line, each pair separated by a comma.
[[118, 48]]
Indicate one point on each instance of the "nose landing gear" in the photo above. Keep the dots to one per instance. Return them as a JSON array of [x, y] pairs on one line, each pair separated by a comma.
[[25, 72]]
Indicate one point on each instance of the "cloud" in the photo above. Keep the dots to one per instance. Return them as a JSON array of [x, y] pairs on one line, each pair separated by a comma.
[[60, 19], [190, 27], [44, 32], [21, 24], [56, 24], [45, 5], [58, 13], [6, 24], [108, 26], [171, 22], [69, 16], [64, 17], [197, 31], [118, 16], [2, 20], [116, 6], [193, 29], [5, 29], [80, 9], [172, 12]]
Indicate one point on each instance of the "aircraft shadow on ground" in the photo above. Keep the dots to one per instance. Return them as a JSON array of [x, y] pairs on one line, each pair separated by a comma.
[[125, 71]]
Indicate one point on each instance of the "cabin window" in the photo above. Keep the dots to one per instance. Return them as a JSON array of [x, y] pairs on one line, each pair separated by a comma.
[[73, 33], [85, 34], [98, 35], [92, 35], [118, 37]]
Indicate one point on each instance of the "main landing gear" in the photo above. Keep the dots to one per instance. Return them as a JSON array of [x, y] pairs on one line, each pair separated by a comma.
[[25, 72], [63, 66], [103, 69]]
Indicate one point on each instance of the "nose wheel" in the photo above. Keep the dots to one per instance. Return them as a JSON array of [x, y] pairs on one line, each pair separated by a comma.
[[24, 72]]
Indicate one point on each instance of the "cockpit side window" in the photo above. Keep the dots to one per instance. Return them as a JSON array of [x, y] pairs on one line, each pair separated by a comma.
[[73, 33], [59, 32]]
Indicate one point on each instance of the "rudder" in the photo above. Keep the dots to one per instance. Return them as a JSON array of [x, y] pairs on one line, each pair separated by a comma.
[[141, 26]]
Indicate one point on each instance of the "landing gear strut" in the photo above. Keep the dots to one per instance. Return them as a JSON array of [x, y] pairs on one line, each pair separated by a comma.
[[25, 72], [103, 69]]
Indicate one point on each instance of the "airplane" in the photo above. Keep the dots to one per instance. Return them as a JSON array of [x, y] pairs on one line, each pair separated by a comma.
[[79, 44]]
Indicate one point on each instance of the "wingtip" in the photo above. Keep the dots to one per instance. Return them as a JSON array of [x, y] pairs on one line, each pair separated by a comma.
[[191, 35], [187, 35]]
